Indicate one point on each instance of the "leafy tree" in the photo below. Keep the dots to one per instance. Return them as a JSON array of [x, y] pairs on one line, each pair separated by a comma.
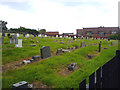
[[42, 31]]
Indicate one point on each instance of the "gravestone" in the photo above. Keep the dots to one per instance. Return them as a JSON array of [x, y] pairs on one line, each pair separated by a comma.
[[76, 47], [100, 41], [3, 34], [72, 66], [90, 56], [71, 41], [19, 43], [99, 47], [33, 45], [1, 41], [18, 35], [27, 35], [24, 35], [26, 62], [61, 42], [34, 35], [8, 34], [59, 52], [45, 52], [111, 43], [36, 57], [22, 85], [82, 44]]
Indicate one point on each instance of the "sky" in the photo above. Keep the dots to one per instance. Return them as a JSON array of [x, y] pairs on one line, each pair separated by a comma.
[[64, 16]]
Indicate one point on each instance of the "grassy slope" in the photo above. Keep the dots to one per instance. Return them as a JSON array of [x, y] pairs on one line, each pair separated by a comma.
[[10, 53], [46, 71]]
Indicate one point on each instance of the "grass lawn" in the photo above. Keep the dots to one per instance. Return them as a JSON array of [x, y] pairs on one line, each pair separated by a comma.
[[47, 71]]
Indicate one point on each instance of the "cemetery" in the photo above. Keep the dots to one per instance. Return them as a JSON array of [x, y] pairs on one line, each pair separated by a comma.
[[31, 61]]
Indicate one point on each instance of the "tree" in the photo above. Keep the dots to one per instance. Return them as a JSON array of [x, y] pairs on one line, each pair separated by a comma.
[[42, 31]]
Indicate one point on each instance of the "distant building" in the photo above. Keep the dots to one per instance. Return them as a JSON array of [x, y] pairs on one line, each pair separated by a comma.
[[52, 33], [3, 26], [97, 32]]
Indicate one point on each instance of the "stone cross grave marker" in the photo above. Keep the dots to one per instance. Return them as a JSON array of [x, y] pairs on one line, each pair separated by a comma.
[[82, 44], [45, 52], [19, 43]]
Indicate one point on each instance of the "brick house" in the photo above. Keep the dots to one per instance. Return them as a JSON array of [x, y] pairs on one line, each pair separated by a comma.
[[97, 32], [52, 33]]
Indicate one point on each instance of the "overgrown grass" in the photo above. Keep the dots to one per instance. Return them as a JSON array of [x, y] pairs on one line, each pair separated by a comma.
[[46, 71], [10, 53]]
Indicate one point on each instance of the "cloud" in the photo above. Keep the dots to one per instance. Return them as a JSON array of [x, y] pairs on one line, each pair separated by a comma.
[[59, 15]]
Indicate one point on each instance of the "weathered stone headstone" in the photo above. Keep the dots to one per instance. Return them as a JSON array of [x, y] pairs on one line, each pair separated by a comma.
[[61, 42], [19, 43], [45, 52], [18, 35], [22, 84], [82, 44], [59, 52], [27, 35], [99, 47], [72, 66], [71, 41], [65, 50], [1, 41], [36, 57], [76, 47], [33, 45]]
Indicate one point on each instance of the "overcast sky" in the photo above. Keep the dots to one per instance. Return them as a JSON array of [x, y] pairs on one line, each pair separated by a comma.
[[64, 16]]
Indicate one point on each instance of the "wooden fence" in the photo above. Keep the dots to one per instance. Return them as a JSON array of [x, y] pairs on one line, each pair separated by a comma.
[[107, 76]]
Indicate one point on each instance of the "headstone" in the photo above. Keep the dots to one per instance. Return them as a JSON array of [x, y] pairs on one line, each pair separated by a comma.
[[1, 41], [3, 34], [12, 41], [27, 35], [8, 34], [36, 57], [76, 47], [71, 41], [111, 43], [24, 35], [33, 45], [34, 35], [19, 43], [99, 47], [22, 84], [90, 56], [100, 41], [82, 44], [59, 52], [61, 42], [72, 66], [26, 62], [65, 50], [105, 48], [18, 35], [45, 52]]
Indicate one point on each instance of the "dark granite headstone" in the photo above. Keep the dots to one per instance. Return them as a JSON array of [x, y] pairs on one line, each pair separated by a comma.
[[24, 35], [45, 52], [3, 34], [100, 41], [99, 47], [8, 34], [90, 56]]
